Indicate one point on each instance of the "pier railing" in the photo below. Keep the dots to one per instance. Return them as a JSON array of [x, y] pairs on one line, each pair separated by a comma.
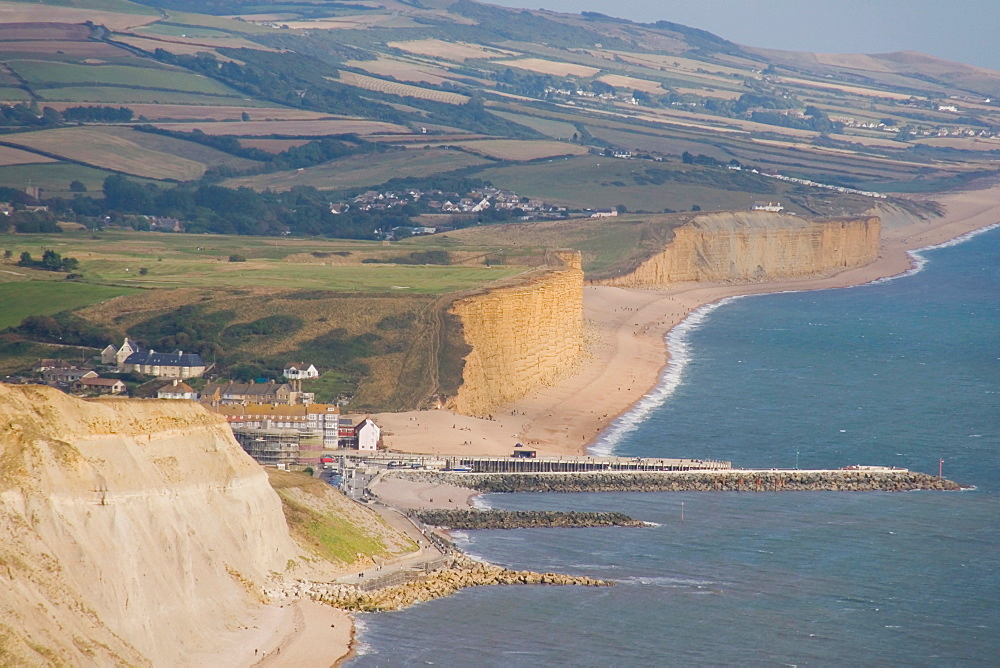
[[571, 464]]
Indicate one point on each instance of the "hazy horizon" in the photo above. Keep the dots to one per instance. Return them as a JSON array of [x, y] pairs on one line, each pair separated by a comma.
[[958, 31]]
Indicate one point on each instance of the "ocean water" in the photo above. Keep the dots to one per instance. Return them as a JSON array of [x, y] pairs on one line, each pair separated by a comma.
[[904, 372]]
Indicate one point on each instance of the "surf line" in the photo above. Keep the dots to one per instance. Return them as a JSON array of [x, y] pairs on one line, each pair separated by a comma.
[[679, 355]]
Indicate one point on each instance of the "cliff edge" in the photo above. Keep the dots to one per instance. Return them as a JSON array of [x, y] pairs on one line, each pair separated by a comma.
[[750, 246], [522, 337]]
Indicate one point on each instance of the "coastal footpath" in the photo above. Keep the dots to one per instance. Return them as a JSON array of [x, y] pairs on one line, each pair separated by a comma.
[[736, 480]]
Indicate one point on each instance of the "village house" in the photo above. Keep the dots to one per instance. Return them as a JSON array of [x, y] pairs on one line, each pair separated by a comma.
[[61, 376], [46, 364], [348, 439], [177, 389], [773, 207], [300, 371], [604, 213], [97, 385], [322, 420], [115, 357], [177, 364], [367, 434], [228, 392]]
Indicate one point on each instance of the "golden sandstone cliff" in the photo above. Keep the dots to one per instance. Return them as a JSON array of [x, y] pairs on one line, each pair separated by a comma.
[[137, 532], [523, 337], [742, 246], [526, 336]]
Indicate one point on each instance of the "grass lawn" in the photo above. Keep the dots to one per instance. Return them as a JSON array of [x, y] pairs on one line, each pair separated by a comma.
[[20, 299]]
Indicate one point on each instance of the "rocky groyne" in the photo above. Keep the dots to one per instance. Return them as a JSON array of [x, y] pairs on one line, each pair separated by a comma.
[[522, 336], [459, 573], [752, 246], [735, 480], [522, 519]]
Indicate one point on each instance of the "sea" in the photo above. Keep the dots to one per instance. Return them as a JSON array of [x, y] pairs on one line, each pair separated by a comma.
[[902, 372]]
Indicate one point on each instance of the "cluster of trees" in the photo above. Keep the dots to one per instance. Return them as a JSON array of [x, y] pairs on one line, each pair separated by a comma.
[[24, 115], [64, 328], [98, 114], [28, 222], [51, 261]]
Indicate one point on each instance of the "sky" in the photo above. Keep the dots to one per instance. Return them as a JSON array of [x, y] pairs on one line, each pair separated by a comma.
[[965, 31]]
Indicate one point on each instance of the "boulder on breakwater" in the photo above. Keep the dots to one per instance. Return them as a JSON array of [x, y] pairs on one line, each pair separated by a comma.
[[734, 480], [522, 519]]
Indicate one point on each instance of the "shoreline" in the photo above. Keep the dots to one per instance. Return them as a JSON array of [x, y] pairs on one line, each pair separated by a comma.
[[632, 336], [632, 339]]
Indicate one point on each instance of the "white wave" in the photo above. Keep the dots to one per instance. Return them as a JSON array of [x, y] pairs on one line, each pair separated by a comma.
[[361, 648], [666, 581], [480, 502], [670, 380], [919, 261], [460, 538]]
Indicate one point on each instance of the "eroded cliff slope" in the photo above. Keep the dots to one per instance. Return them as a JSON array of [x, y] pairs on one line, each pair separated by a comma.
[[523, 336], [131, 532], [745, 246]]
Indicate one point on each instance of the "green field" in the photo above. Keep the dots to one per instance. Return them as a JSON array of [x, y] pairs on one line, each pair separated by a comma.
[[8, 93], [184, 260], [603, 183], [19, 299], [40, 73], [548, 127], [363, 170], [179, 31], [120, 6], [54, 178]]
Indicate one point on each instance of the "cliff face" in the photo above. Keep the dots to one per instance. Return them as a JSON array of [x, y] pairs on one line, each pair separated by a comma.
[[130, 532], [523, 337], [755, 246]]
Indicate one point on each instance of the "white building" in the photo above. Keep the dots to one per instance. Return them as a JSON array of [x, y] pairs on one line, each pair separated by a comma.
[[773, 207], [300, 371], [177, 389], [368, 434]]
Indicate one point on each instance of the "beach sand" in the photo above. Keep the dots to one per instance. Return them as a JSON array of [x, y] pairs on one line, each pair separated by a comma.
[[626, 348], [297, 633]]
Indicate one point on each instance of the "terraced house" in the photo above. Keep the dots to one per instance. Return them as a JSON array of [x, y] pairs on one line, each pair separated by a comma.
[[177, 364]]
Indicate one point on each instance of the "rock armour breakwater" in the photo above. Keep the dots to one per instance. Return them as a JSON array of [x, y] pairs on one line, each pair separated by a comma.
[[460, 573], [745, 246], [692, 481], [523, 337], [524, 519]]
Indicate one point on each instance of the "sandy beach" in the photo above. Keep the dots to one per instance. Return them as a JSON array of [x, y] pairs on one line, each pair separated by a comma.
[[626, 348]]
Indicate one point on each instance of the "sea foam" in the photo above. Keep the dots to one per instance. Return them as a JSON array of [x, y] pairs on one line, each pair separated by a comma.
[[670, 380]]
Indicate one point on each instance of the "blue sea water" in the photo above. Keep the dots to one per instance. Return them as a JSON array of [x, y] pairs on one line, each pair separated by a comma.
[[903, 373]]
